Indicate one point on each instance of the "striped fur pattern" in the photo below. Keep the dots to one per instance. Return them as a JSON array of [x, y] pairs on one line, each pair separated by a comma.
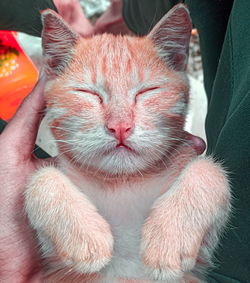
[[129, 201]]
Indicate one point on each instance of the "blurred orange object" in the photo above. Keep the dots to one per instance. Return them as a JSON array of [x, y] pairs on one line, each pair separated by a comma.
[[194, 31], [18, 75]]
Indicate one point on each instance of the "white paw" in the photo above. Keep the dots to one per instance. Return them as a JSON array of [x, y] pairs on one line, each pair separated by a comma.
[[87, 267], [187, 263], [167, 255], [164, 274], [90, 255]]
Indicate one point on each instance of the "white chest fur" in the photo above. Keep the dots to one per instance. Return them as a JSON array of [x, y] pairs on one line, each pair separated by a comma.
[[125, 209]]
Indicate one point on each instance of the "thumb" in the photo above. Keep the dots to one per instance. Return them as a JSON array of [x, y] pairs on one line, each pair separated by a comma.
[[22, 129], [196, 142]]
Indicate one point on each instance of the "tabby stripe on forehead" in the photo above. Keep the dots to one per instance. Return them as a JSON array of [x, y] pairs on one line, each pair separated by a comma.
[[139, 75], [93, 77], [147, 74], [104, 66], [87, 76], [99, 75], [134, 74], [129, 66]]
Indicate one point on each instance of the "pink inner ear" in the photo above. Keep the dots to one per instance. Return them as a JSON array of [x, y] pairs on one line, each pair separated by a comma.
[[50, 28], [172, 35], [58, 40]]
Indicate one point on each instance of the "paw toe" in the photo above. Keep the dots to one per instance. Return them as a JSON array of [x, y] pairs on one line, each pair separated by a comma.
[[188, 263], [164, 274]]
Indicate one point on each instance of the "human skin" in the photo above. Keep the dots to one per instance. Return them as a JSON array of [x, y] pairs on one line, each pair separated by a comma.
[[112, 21], [19, 261], [72, 13]]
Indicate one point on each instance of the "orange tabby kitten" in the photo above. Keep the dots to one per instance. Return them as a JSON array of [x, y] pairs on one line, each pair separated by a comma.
[[129, 201]]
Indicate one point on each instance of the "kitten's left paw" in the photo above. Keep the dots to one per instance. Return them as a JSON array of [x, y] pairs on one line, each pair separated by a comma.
[[166, 274], [165, 254]]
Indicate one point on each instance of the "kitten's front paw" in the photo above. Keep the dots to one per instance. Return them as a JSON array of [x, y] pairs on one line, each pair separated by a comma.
[[89, 251], [71, 231], [165, 254]]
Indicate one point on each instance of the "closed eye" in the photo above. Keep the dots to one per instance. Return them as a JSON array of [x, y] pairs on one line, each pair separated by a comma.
[[90, 92], [146, 90]]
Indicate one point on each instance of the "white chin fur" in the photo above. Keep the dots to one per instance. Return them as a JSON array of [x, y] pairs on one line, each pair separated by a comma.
[[120, 161]]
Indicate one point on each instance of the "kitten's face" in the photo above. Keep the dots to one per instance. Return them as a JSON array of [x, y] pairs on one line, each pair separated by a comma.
[[116, 108]]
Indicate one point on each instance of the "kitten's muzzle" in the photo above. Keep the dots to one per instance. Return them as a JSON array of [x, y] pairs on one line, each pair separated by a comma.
[[121, 131]]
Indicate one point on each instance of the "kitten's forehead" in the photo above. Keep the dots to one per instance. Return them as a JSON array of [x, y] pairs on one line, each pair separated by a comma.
[[118, 60], [118, 67]]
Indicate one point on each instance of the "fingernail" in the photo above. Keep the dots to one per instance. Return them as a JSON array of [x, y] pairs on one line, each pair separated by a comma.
[[42, 74], [42, 80]]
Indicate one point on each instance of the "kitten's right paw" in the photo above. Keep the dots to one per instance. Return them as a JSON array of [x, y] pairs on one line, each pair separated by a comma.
[[71, 231], [88, 252]]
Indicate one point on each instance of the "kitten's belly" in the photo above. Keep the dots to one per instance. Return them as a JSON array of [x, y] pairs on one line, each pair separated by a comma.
[[126, 209]]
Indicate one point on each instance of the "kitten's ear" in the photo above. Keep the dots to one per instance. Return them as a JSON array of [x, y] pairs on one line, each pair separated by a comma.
[[171, 37], [58, 41]]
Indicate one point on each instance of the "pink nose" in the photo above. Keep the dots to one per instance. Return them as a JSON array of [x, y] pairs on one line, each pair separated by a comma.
[[120, 130]]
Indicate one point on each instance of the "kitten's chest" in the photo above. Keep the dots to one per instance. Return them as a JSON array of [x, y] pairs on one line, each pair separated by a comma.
[[125, 209], [128, 204]]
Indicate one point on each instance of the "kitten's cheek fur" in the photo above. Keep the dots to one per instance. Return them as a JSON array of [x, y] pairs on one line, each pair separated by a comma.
[[67, 223], [184, 224]]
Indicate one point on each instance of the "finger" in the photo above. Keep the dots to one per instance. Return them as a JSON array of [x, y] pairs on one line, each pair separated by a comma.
[[199, 145], [72, 12], [22, 129], [196, 142]]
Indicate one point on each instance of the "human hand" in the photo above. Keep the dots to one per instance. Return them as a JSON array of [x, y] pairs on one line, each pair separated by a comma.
[[111, 21], [72, 13], [196, 142], [19, 261]]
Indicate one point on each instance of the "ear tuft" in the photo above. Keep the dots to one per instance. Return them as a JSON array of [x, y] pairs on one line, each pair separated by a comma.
[[58, 42], [171, 37]]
